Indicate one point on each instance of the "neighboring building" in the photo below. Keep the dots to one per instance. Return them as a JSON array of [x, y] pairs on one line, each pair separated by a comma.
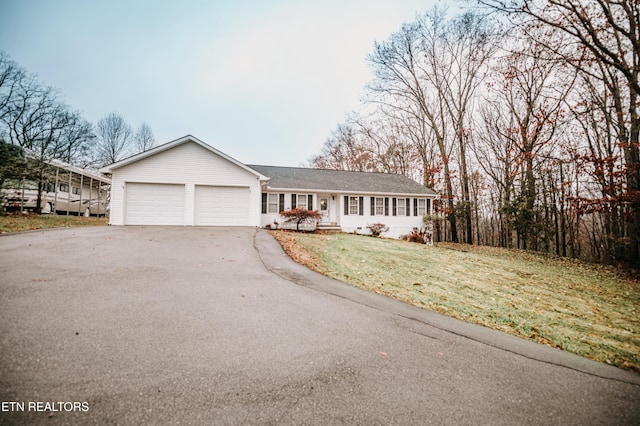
[[187, 182]]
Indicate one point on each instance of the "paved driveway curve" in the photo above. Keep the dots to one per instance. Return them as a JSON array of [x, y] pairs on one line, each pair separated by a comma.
[[155, 325]]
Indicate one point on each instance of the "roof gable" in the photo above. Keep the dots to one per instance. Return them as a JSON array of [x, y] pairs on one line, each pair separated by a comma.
[[296, 178], [173, 144]]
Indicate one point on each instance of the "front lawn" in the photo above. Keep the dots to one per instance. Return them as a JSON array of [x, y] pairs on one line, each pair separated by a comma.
[[590, 310], [21, 222]]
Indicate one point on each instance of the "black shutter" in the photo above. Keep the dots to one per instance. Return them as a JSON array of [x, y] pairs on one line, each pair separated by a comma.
[[264, 203], [309, 202], [386, 206], [428, 205], [394, 206], [373, 206], [361, 204], [407, 211], [281, 206], [346, 205], [415, 207], [293, 201]]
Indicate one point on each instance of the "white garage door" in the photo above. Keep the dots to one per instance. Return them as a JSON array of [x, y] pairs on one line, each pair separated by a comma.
[[154, 204], [221, 206]]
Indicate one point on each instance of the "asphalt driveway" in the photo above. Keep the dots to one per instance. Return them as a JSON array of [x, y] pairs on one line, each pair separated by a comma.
[[155, 325]]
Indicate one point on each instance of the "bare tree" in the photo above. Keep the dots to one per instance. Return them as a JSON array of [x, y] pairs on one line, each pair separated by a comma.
[[401, 80], [144, 138], [11, 75], [343, 151], [36, 120], [77, 140], [114, 139], [466, 45]]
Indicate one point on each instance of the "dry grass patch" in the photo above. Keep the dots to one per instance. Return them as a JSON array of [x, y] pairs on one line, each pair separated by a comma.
[[19, 222], [590, 310]]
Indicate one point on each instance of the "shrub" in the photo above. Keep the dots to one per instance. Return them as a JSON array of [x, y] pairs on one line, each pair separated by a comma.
[[418, 235], [377, 229], [300, 216]]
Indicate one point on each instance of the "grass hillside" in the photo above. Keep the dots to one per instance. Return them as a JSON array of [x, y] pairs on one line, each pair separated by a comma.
[[590, 310]]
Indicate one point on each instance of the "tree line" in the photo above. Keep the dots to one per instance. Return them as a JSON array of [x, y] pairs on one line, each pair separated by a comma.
[[522, 114], [36, 124]]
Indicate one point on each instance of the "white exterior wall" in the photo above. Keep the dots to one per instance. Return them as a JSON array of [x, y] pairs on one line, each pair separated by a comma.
[[188, 164], [269, 218], [398, 225]]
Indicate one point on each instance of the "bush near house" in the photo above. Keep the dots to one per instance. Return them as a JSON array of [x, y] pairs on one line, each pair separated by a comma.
[[418, 235], [377, 229]]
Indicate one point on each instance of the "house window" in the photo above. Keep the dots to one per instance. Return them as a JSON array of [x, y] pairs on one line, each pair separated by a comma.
[[400, 207], [272, 203], [76, 190], [379, 210], [64, 187], [354, 207], [422, 207], [302, 201], [272, 206]]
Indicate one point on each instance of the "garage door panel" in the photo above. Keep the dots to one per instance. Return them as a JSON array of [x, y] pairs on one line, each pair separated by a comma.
[[221, 206], [154, 204]]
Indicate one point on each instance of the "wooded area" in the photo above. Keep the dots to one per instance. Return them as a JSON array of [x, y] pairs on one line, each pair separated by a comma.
[[35, 123], [522, 114]]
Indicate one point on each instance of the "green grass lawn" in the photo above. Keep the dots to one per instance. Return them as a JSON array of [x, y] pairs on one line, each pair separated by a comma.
[[19, 222], [590, 310]]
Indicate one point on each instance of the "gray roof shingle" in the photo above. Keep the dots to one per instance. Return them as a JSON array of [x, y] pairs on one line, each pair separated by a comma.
[[297, 178]]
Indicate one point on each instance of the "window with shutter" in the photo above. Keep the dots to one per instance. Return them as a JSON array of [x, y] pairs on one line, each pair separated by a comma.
[[273, 203], [354, 206], [380, 207], [421, 210], [400, 207]]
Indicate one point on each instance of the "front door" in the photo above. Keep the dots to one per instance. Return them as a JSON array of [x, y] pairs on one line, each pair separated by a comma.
[[324, 210]]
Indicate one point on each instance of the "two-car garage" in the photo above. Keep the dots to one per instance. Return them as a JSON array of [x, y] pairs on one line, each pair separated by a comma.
[[184, 183], [166, 204]]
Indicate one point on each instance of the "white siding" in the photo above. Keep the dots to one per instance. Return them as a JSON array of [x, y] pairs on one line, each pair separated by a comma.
[[398, 225], [188, 164], [270, 218]]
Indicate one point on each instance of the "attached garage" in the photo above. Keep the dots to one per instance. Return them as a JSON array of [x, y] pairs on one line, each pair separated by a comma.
[[184, 182], [154, 204], [222, 206]]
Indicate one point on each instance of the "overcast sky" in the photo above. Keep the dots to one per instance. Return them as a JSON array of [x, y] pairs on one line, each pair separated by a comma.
[[263, 81]]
